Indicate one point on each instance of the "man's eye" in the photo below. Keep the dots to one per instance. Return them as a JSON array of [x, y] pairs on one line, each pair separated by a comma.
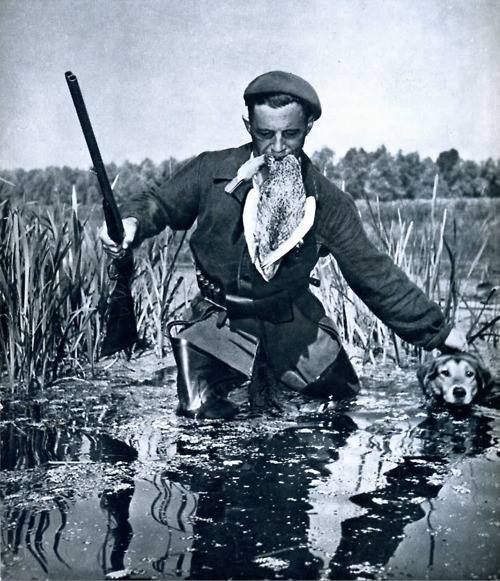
[[445, 372], [264, 134], [291, 133]]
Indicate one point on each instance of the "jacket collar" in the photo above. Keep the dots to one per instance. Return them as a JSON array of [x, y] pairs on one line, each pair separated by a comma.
[[227, 168], [308, 170]]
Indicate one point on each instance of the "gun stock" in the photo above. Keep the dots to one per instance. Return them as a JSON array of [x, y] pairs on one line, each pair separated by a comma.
[[121, 329]]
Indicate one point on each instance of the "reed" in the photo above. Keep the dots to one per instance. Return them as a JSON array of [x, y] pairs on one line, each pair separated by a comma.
[[158, 286], [48, 279], [54, 288]]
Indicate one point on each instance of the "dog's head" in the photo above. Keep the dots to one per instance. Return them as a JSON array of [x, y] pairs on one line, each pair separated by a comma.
[[456, 379]]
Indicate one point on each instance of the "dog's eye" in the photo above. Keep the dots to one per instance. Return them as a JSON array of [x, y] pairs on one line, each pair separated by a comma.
[[445, 372], [469, 373]]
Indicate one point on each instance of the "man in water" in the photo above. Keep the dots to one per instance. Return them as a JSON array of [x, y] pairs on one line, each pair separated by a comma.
[[264, 216]]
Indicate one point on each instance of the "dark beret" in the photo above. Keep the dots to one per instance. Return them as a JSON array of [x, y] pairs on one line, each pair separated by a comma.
[[281, 82]]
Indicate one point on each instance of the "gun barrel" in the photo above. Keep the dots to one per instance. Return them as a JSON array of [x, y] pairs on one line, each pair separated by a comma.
[[111, 213]]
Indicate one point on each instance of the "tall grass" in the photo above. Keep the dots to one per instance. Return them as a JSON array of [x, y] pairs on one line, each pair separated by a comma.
[[54, 288], [160, 290], [50, 288]]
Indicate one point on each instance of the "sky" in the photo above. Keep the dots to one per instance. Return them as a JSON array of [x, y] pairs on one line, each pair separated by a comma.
[[165, 78]]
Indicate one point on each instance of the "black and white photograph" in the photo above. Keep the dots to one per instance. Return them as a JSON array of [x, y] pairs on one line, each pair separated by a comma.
[[249, 289]]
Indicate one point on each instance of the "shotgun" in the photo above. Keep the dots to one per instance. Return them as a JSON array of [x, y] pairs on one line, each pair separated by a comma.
[[120, 325]]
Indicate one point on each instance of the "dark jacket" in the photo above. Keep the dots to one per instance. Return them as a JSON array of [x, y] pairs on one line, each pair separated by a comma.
[[196, 192]]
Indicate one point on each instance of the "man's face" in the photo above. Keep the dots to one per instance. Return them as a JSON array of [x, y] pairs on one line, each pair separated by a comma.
[[278, 132]]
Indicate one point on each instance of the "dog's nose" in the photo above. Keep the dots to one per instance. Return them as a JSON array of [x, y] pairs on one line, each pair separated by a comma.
[[459, 391]]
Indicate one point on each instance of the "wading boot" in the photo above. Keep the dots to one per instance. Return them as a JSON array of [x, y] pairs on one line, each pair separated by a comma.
[[338, 382], [203, 383]]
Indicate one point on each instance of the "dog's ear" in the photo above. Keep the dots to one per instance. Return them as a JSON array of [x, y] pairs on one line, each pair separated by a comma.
[[421, 373], [484, 378], [427, 372]]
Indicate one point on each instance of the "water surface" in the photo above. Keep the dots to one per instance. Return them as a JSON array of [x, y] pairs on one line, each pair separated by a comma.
[[102, 479]]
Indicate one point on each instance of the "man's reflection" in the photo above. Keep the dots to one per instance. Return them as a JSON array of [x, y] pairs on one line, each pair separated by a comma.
[[252, 519]]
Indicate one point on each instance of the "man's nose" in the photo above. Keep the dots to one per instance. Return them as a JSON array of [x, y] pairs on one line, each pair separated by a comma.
[[278, 144]]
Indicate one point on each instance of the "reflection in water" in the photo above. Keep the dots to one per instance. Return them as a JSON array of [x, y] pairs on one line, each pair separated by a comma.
[[174, 508], [38, 445], [451, 434], [254, 515], [119, 531], [252, 518], [373, 537], [31, 446], [318, 499], [369, 541], [27, 530]]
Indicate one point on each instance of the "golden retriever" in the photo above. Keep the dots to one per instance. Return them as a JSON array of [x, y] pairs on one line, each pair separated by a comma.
[[458, 379]]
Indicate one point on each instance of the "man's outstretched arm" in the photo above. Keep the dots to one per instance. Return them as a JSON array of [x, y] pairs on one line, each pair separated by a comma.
[[380, 284]]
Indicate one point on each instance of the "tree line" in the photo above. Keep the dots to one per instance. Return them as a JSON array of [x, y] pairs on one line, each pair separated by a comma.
[[361, 173], [54, 184], [407, 176]]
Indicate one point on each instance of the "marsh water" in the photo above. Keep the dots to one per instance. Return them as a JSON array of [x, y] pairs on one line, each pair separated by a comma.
[[101, 479]]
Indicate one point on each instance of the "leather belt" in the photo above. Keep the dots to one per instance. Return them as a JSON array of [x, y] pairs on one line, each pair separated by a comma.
[[275, 308]]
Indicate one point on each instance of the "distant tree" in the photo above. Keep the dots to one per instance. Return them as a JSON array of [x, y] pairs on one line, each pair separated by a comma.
[[166, 169], [112, 170], [361, 173], [130, 180], [426, 181], [447, 160], [354, 168], [490, 173], [410, 170], [448, 166], [147, 170], [383, 179], [468, 182], [323, 159]]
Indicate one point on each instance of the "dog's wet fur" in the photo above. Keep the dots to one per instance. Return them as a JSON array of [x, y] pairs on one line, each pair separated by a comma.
[[458, 380]]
